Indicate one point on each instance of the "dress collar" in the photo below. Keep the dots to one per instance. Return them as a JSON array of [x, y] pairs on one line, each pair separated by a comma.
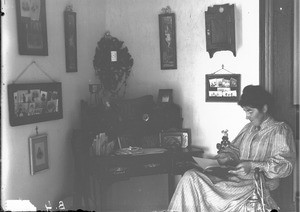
[[263, 125], [266, 122]]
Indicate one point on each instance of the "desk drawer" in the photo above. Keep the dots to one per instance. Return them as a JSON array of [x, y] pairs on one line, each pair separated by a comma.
[[118, 168], [139, 165], [156, 164]]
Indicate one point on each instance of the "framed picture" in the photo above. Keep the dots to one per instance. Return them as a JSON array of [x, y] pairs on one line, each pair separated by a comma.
[[171, 140], [167, 38], [32, 27], [36, 102], [165, 96], [70, 41], [186, 137], [223, 87], [38, 152]]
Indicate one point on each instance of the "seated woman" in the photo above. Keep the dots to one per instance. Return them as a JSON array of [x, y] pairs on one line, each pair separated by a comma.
[[263, 143]]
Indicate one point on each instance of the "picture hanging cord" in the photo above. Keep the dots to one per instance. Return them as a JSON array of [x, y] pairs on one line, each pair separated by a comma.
[[36, 130], [37, 65], [222, 69]]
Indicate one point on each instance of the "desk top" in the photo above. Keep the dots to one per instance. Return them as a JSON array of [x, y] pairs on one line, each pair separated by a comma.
[[115, 167], [192, 150]]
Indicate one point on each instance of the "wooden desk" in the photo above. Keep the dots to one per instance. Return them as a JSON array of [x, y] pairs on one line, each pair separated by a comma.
[[108, 169]]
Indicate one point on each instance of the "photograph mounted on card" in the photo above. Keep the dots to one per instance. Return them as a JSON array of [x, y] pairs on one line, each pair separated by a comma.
[[34, 102], [38, 153], [223, 87], [186, 137], [165, 96], [32, 27]]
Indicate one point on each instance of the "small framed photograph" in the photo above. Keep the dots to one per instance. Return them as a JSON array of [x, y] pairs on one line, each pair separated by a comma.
[[165, 96], [171, 140], [32, 27], [38, 152], [223, 87], [34, 102], [167, 37], [186, 137]]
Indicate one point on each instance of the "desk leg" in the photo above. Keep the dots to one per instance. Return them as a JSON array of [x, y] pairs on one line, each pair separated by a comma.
[[171, 185], [103, 190], [99, 194], [94, 191]]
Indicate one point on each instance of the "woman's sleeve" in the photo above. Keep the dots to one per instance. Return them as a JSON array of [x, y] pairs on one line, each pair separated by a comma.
[[232, 151], [234, 146], [282, 159]]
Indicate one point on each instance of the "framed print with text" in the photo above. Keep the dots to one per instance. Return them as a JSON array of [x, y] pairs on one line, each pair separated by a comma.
[[32, 27], [167, 38], [70, 41]]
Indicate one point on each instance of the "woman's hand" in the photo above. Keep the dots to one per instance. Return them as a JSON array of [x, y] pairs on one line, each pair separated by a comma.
[[222, 158], [227, 159], [242, 169]]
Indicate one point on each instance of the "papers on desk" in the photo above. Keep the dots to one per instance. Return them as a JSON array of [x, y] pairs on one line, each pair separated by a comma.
[[139, 151], [101, 145]]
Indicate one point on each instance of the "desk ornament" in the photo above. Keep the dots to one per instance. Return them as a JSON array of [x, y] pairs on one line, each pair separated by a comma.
[[225, 142]]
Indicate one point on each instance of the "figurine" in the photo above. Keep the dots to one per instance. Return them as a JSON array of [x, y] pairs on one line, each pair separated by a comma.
[[224, 143]]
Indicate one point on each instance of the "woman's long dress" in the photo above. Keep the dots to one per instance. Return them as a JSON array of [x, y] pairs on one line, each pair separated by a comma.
[[271, 148]]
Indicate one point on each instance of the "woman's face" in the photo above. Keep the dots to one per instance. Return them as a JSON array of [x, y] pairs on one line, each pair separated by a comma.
[[255, 116]]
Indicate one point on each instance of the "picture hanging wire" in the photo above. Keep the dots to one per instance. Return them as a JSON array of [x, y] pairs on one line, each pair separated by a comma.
[[37, 130], [39, 68], [222, 69]]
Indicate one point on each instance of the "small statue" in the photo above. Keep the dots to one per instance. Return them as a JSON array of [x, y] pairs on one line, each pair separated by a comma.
[[69, 7], [224, 143], [166, 9], [107, 35]]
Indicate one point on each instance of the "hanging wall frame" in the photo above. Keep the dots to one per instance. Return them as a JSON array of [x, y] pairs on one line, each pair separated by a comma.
[[38, 153], [34, 102], [70, 39], [167, 38], [32, 27], [223, 87]]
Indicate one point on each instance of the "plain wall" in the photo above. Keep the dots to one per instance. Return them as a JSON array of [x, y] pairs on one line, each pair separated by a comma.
[[141, 36], [56, 183]]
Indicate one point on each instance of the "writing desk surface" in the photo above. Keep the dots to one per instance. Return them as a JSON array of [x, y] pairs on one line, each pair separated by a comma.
[[125, 166]]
